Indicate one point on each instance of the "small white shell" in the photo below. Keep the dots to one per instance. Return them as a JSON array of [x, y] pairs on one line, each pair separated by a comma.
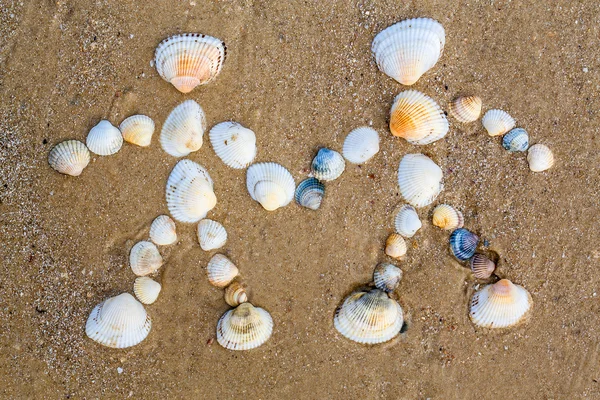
[[360, 145], [447, 217], [163, 231], [69, 157], [244, 327], [104, 139], [221, 271], [144, 258], [387, 277], [500, 305], [146, 290], [540, 158], [233, 144], [417, 118], [420, 179], [466, 108], [235, 294], [407, 221], [270, 184], [182, 132], [395, 246], [327, 165], [497, 122], [137, 129], [211, 234], [189, 192]]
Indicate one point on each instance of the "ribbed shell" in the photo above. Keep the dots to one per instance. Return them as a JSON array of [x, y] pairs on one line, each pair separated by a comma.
[[244, 327], [163, 231], [417, 118], [144, 258], [182, 132], [369, 317], [516, 140], [463, 244], [327, 165], [395, 246], [221, 271], [481, 266], [361, 145], [104, 139], [189, 60], [189, 192], [146, 289], [466, 108], [420, 179], [137, 129], [310, 193], [447, 217], [497, 122], [235, 294], [407, 221], [211, 234], [387, 277], [118, 322], [233, 144], [540, 158], [270, 184], [500, 305], [69, 157]]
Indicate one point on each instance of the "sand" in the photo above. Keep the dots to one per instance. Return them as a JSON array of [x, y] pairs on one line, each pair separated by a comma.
[[299, 74]]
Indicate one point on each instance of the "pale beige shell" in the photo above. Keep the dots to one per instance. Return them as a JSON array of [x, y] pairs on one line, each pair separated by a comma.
[[235, 294], [540, 158], [144, 258], [244, 327], [146, 289], [163, 231], [466, 108], [69, 157], [387, 277], [137, 129], [395, 246], [447, 217], [497, 122], [221, 271], [500, 305], [211, 234]]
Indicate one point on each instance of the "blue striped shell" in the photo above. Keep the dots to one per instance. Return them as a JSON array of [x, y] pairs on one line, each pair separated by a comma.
[[309, 193], [516, 140], [463, 244], [327, 165]]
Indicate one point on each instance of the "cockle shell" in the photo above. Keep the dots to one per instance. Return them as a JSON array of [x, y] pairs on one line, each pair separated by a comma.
[[420, 179], [189, 192], [235, 294], [163, 231], [369, 317], [463, 244], [233, 144], [466, 108], [540, 158], [407, 221], [211, 234], [270, 184], [516, 140], [104, 139], [69, 157], [137, 129], [189, 60], [182, 132], [310, 193], [447, 217], [327, 165], [497, 122], [221, 271], [146, 289], [387, 277], [500, 305], [417, 118], [395, 246], [408, 49], [361, 145], [481, 266], [244, 327], [144, 258], [118, 322]]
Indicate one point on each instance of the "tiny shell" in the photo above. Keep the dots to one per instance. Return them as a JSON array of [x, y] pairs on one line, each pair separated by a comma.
[[417, 118], [144, 258], [420, 179], [387, 277], [233, 144], [395, 246], [137, 129], [235, 294], [310, 193], [481, 266], [211, 234], [463, 244], [221, 271], [497, 122], [327, 165], [182, 132], [244, 327], [516, 140], [189, 192], [466, 108], [270, 184], [146, 290], [407, 221], [540, 158], [500, 305], [69, 157], [361, 145], [104, 139], [447, 217], [163, 231]]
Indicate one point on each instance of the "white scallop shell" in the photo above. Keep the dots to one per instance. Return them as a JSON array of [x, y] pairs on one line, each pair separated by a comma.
[[104, 139], [69, 157], [137, 129], [466, 108], [407, 221], [118, 322], [540, 158], [500, 305], [360, 145], [182, 132], [270, 184], [417, 118], [244, 327], [387, 277], [146, 289], [221, 271], [144, 258], [420, 179], [395, 246], [497, 122], [447, 217], [233, 144], [163, 230], [211, 234], [189, 192]]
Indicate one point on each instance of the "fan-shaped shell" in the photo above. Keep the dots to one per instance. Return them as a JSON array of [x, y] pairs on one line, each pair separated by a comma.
[[361, 145], [516, 140], [466, 108], [369, 317], [182, 132], [233, 144], [387, 277], [211, 234], [144, 258], [235, 294], [420, 179], [500, 305], [497, 122], [244, 327], [221, 271], [118, 322], [463, 243], [137, 129], [481, 266], [146, 289], [407, 221], [327, 165], [189, 192], [395, 246], [310, 193], [270, 184], [447, 217], [540, 158], [417, 118], [69, 157], [189, 60], [104, 139], [163, 231]]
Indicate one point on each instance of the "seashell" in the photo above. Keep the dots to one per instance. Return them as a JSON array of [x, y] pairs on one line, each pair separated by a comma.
[[497, 122], [146, 290], [189, 60], [417, 118], [309, 193], [369, 317], [104, 139], [144, 258], [463, 244], [500, 305], [516, 140], [466, 108], [360, 145], [447, 217], [233, 144], [270, 184], [408, 49], [137, 129], [482, 266], [395, 246], [69, 157], [540, 158], [327, 165], [235, 294], [420, 179], [182, 132], [387, 277], [163, 231], [407, 221], [118, 322], [221, 271], [189, 192], [211, 234], [244, 327]]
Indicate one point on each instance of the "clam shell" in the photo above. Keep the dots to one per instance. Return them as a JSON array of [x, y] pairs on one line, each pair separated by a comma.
[[146, 290], [118, 322], [327, 165], [189, 192], [482, 266], [221, 271], [235, 294], [211, 234], [144, 258], [516, 140], [244, 327], [463, 244], [407, 221], [189, 60], [137, 129], [270, 184], [466, 108], [408, 49], [233, 144], [361, 145], [500, 305], [387, 277], [540, 158], [447, 217], [369, 317], [395, 246], [182, 132], [310, 193], [497, 122], [104, 139], [69, 157], [163, 231], [420, 179], [417, 118]]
